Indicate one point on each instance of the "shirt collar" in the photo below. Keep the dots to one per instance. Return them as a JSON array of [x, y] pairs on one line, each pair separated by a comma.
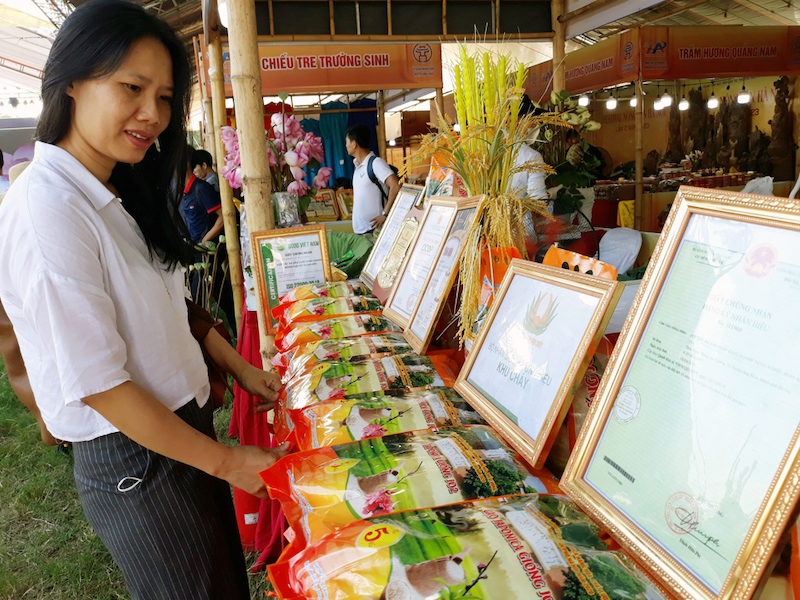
[[189, 183], [73, 170], [366, 158]]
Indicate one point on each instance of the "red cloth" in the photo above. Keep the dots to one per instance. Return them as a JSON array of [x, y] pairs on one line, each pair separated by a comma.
[[253, 430]]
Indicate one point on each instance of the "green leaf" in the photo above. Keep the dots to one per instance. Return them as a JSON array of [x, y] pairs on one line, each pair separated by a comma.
[[283, 96], [222, 239], [210, 245]]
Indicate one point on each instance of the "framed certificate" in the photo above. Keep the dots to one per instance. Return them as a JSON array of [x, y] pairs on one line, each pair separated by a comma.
[[437, 220], [286, 259], [323, 207], [690, 455], [531, 353], [344, 198], [435, 290], [405, 200]]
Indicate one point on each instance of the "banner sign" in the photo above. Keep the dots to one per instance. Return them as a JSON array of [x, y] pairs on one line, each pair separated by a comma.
[[723, 51], [606, 63], [671, 53], [343, 68]]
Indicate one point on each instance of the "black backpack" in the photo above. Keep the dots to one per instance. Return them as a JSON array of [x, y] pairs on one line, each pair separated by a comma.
[[374, 179]]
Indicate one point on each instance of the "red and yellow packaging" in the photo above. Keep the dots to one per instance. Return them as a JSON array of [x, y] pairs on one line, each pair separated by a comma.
[[336, 289], [325, 489], [331, 329], [353, 419], [514, 548], [318, 309]]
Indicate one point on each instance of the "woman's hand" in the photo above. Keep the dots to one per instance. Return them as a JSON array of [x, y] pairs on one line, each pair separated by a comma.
[[246, 462], [262, 384]]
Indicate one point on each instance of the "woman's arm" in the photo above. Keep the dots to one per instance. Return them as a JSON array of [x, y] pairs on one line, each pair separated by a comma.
[[146, 421], [263, 384]]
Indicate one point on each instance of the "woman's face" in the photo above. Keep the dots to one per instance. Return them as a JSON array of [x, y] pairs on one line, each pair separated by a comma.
[[117, 118]]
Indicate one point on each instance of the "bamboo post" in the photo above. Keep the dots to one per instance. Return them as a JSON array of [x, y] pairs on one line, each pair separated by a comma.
[[639, 156], [210, 132], [256, 177], [216, 75], [381, 125], [559, 45], [440, 109]]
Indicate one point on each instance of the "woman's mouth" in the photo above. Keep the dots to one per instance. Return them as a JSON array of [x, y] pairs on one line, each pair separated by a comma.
[[140, 139]]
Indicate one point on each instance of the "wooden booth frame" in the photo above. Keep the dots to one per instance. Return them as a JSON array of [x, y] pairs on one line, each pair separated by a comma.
[[260, 275], [456, 204], [406, 199], [447, 279], [725, 246], [534, 445]]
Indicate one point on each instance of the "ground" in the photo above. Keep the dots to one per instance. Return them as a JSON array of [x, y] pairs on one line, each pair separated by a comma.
[[47, 548]]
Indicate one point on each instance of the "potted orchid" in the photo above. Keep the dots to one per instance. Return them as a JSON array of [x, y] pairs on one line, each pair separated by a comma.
[[291, 152]]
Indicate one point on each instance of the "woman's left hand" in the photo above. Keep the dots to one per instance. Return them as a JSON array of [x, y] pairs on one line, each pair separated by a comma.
[[263, 385]]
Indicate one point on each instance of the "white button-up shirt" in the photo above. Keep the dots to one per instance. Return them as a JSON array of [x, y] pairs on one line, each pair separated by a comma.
[[366, 195], [89, 307]]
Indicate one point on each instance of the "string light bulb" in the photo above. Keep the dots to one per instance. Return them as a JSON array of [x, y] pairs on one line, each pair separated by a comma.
[[583, 100], [611, 103], [392, 142], [666, 99], [744, 95], [683, 104], [713, 102], [657, 105], [634, 102]]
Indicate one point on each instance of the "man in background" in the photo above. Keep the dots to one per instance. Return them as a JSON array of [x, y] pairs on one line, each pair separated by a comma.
[[375, 186], [203, 168], [201, 207]]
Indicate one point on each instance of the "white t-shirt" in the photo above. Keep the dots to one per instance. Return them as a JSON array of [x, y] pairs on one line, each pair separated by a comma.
[[89, 308], [366, 195], [530, 184]]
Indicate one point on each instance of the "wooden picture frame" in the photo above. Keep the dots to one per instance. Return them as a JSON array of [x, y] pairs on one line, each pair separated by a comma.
[[292, 264], [406, 199], [702, 503], [323, 207], [437, 220], [539, 336], [441, 279], [344, 200]]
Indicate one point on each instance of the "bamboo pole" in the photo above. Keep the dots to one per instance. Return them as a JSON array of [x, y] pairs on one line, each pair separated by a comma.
[[219, 116], [559, 45], [583, 9], [639, 156], [210, 132], [256, 177], [381, 125]]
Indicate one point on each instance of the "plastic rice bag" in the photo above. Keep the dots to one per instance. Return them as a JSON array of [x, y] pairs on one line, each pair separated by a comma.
[[518, 548], [353, 419], [325, 489], [332, 380], [317, 309], [304, 357], [330, 329], [336, 289]]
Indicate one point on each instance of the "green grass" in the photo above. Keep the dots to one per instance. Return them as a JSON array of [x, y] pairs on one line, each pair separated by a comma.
[[47, 548]]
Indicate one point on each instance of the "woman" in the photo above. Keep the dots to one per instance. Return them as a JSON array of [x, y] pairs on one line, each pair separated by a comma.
[[89, 277]]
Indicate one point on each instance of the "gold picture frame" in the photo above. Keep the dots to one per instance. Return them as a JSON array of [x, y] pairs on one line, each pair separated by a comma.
[[344, 198], [290, 248], [524, 367], [703, 502], [442, 277], [323, 207], [420, 259], [406, 200]]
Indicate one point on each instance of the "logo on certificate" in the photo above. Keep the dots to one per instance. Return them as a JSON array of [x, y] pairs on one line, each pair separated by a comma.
[[681, 513], [541, 313], [627, 404]]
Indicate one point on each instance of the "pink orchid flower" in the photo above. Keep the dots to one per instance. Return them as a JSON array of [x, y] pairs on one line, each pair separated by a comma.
[[322, 178], [318, 310], [374, 430], [298, 187], [379, 502], [325, 332]]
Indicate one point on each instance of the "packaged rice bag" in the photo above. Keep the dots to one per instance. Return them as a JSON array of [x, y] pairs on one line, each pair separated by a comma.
[[331, 380], [341, 327], [352, 419], [518, 548], [568, 434], [336, 289], [316, 309], [322, 490], [304, 357]]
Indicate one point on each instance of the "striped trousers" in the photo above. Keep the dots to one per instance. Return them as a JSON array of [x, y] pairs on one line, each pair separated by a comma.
[[170, 528]]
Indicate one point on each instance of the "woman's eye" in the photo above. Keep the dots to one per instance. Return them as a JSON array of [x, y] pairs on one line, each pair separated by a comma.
[[167, 98], [133, 88]]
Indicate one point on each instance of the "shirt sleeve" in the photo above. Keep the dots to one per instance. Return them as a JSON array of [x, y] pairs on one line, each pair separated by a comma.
[[76, 324], [382, 170], [208, 197]]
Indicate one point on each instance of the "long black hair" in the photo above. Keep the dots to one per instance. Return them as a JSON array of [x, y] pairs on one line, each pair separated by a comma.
[[91, 44]]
